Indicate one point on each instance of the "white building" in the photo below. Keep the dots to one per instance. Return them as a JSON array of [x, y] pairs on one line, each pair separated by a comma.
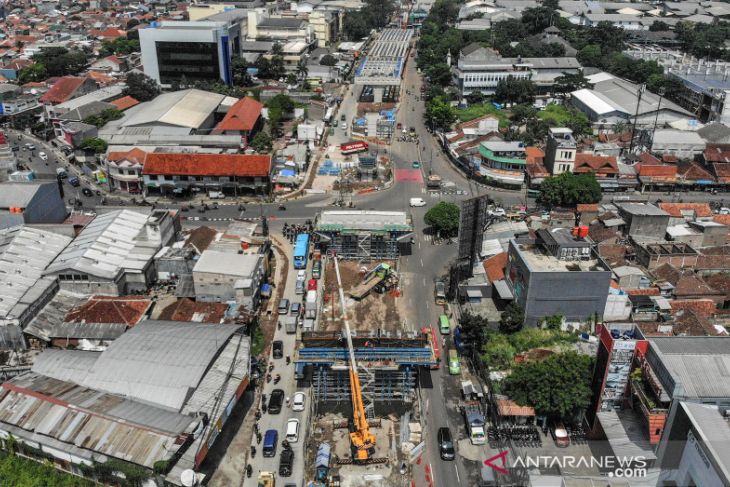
[[221, 276], [196, 50]]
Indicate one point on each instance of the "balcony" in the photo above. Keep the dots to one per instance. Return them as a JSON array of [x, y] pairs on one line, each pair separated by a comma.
[[652, 410]]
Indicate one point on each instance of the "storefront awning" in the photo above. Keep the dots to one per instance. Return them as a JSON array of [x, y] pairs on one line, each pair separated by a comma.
[[503, 290]]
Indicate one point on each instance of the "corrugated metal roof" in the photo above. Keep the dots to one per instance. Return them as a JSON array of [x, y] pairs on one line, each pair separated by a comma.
[[228, 263], [107, 424], [24, 254], [185, 108], [363, 220], [713, 429]]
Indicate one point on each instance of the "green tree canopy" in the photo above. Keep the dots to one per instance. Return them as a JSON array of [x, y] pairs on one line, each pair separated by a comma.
[[513, 90], [262, 142], [105, 116], [374, 15], [141, 87], [568, 189], [60, 61], [474, 332], [443, 218], [328, 60], [35, 72], [558, 387], [94, 144], [439, 114], [120, 46], [512, 318]]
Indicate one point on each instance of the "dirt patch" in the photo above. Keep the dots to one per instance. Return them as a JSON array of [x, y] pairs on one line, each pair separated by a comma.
[[372, 312]]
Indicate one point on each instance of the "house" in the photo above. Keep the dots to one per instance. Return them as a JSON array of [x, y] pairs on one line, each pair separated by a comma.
[[124, 169], [655, 177], [243, 118], [229, 276], [232, 174], [110, 64], [31, 202], [644, 221], [686, 212], [124, 102], [604, 168], [66, 88], [680, 143]]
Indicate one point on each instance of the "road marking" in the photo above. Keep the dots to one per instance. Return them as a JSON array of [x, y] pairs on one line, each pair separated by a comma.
[[430, 469], [421, 259], [424, 282], [458, 480]]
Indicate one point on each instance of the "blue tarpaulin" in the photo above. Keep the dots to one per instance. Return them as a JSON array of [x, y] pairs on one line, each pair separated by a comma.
[[266, 290], [287, 172]]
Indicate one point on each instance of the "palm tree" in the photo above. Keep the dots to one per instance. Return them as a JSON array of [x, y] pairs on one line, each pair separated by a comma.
[[302, 70]]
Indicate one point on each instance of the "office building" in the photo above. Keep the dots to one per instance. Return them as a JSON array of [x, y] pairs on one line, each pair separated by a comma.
[[560, 151], [193, 50]]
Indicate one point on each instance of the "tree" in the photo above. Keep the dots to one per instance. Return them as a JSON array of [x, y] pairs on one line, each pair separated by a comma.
[[105, 116], [475, 98], [564, 116], [521, 113], [512, 318], [328, 60], [474, 332], [443, 218], [262, 142], [141, 87], [439, 114], [439, 74], [356, 25], [554, 322], [119, 46], [302, 70], [570, 82], [35, 72], [558, 387], [277, 49], [513, 90], [537, 19], [551, 4], [590, 55], [132, 23], [94, 144], [60, 61], [659, 26], [569, 189]]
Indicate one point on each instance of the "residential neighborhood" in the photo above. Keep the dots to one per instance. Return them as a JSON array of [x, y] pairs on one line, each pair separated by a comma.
[[364, 242]]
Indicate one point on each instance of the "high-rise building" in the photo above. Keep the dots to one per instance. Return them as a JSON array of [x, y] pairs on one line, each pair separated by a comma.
[[197, 51]]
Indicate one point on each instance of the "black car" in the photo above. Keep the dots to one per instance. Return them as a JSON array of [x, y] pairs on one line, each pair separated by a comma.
[[276, 399], [87, 192], [286, 461], [446, 444], [278, 349]]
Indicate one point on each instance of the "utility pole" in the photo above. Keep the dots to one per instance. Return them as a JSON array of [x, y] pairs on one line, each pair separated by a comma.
[[636, 117], [656, 119]]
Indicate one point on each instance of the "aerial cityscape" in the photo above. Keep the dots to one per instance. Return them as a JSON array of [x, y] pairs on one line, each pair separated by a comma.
[[349, 243]]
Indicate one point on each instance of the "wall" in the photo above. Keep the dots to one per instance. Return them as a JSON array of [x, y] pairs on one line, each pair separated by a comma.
[[95, 286], [46, 206], [654, 226]]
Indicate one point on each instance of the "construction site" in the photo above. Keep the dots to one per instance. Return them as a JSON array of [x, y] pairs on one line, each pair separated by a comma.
[[364, 370]]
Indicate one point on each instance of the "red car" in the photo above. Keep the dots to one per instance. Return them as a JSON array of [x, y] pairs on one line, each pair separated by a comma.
[[312, 285]]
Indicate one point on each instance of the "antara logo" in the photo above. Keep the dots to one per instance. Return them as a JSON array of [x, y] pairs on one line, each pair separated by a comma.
[[502, 457]]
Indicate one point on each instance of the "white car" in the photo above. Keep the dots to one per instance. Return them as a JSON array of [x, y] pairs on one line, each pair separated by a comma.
[[298, 403], [302, 274], [292, 430], [497, 212], [43, 156], [416, 202]]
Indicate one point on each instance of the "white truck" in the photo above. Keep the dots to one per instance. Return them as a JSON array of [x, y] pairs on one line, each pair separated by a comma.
[[311, 305], [475, 424]]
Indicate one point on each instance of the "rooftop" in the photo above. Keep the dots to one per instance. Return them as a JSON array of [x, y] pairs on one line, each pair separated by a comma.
[[540, 260], [242, 116], [643, 209], [197, 164], [228, 263], [713, 429], [24, 254], [186, 108], [127, 310], [363, 220]]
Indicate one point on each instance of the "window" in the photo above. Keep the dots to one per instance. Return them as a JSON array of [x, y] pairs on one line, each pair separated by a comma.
[[183, 178], [168, 178]]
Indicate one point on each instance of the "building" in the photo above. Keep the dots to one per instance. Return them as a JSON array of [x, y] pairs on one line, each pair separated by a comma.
[[263, 27], [114, 253], [480, 69], [560, 151], [228, 276], [159, 393], [363, 234], [644, 221], [31, 202], [557, 274], [66, 88], [383, 65], [124, 169], [679, 255], [613, 100], [243, 118], [181, 173], [604, 168], [194, 50], [24, 255], [685, 144], [502, 163]]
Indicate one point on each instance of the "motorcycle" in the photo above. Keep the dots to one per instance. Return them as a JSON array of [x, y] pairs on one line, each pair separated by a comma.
[[271, 366], [268, 378], [288, 360], [282, 208], [253, 451], [278, 325], [277, 379]]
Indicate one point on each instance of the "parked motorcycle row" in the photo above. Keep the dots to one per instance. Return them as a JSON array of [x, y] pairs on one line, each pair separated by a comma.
[[520, 435]]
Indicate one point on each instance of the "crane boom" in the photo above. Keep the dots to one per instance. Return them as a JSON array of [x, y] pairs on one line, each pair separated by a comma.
[[362, 439]]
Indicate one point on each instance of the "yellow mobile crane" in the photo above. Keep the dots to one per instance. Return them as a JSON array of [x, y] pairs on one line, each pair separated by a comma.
[[363, 441]]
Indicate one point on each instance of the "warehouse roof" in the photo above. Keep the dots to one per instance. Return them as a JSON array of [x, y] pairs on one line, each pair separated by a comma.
[[228, 263], [242, 116], [106, 246], [18, 194], [24, 254], [185, 108], [713, 428], [364, 220], [596, 102]]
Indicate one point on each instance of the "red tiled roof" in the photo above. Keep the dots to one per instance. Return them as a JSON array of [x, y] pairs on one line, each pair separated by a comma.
[[113, 59], [703, 307], [722, 171], [719, 281], [647, 291], [134, 155], [242, 116], [586, 207], [110, 309], [659, 171], [494, 266], [185, 309], [207, 164], [669, 159], [713, 262], [717, 153], [63, 89], [536, 170], [675, 209], [109, 33], [585, 162], [124, 103], [693, 172], [533, 155], [724, 219], [102, 79]]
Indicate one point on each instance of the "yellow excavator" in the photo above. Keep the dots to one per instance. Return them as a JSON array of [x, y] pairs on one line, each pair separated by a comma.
[[363, 441]]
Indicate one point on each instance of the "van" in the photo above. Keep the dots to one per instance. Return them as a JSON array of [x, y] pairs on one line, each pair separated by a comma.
[[444, 325], [299, 287], [454, 364], [440, 292], [291, 324], [317, 269], [74, 181], [417, 202], [292, 430], [283, 306], [271, 438], [216, 195], [560, 435]]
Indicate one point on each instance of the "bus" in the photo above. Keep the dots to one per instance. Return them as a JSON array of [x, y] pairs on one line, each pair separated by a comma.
[[353, 147], [444, 325], [430, 332], [454, 365], [301, 251]]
